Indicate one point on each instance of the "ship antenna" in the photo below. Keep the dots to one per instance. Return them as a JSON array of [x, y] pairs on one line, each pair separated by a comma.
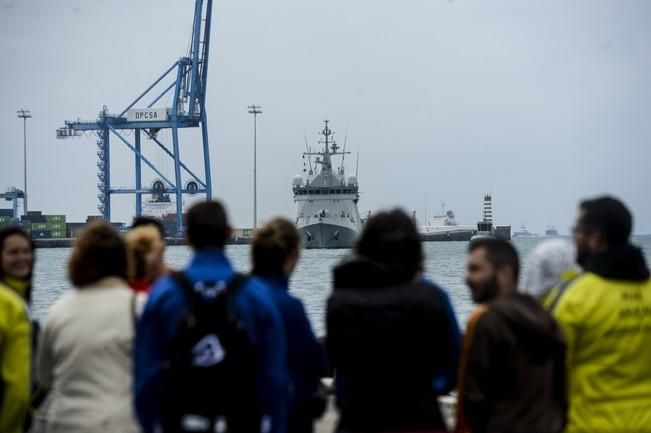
[[357, 166], [309, 159], [343, 156]]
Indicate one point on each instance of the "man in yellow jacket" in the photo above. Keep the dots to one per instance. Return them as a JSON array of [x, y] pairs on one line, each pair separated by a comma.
[[606, 318], [15, 361]]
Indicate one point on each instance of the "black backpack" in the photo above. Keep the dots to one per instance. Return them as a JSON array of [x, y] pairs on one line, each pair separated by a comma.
[[209, 377]]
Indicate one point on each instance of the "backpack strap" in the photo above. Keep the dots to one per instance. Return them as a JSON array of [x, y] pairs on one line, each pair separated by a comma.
[[232, 287], [558, 291]]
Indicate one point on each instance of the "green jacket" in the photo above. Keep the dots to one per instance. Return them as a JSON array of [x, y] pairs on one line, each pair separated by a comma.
[[15, 361], [606, 318]]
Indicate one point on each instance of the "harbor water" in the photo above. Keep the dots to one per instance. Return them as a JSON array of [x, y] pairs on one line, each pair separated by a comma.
[[311, 282]]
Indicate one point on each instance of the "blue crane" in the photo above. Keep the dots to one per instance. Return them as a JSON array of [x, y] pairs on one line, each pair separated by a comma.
[[13, 194], [187, 110]]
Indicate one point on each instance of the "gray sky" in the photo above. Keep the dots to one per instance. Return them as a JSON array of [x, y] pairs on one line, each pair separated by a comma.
[[541, 103]]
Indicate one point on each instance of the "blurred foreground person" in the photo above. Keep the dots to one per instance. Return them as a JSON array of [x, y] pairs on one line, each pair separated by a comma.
[[145, 251], [606, 318], [210, 351], [275, 253], [512, 377], [16, 260], [388, 333], [84, 352], [549, 269], [17, 256]]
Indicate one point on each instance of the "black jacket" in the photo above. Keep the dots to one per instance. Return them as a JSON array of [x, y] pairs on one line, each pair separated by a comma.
[[387, 339], [514, 380]]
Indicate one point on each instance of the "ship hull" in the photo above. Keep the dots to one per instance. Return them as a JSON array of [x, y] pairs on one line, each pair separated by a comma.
[[457, 235], [503, 232], [323, 235]]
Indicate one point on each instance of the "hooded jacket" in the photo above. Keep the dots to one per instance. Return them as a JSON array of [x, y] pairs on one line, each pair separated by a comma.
[[388, 339], [606, 318], [513, 378]]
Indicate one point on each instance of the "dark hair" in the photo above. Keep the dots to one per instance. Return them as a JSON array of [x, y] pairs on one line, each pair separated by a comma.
[[499, 253], [11, 231], [207, 225], [609, 216], [99, 252], [272, 244], [391, 238], [149, 221]]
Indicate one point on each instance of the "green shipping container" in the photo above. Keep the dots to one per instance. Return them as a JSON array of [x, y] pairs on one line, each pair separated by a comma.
[[59, 234], [5, 218], [56, 226], [55, 218], [39, 226]]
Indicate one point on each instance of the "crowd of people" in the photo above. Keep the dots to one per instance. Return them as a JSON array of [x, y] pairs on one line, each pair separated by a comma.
[[135, 346]]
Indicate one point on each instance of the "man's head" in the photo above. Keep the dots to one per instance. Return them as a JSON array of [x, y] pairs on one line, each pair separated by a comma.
[[391, 238], [492, 269], [207, 225], [149, 221], [603, 223]]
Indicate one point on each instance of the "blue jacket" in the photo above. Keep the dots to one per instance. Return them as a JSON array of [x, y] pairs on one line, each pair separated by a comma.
[[305, 355], [446, 380], [161, 318]]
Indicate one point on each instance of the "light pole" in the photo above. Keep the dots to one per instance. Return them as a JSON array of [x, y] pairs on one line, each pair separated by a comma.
[[255, 110], [24, 114]]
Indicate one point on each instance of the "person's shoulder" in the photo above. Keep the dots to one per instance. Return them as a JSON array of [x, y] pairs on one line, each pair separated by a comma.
[[163, 292], [9, 298], [11, 304], [482, 316], [438, 288], [255, 292]]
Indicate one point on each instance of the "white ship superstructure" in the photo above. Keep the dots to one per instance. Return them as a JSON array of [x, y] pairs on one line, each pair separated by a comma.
[[327, 215]]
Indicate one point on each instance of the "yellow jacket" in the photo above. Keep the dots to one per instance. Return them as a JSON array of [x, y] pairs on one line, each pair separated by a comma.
[[607, 326], [15, 361]]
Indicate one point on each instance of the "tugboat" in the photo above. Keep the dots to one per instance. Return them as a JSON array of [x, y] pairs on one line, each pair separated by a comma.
[[523, 233], [551, 231], [327, 214], [485, 227]]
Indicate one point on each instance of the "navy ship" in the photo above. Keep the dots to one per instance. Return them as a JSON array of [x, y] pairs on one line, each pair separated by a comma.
[[327, 215]]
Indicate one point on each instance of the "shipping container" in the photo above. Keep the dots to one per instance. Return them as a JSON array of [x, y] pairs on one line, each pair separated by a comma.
[[55, 226], [34, 212], [6, 212], [55, 218], [5, 218], [41, 234], [58, 234], [40, 226], [33, 218]]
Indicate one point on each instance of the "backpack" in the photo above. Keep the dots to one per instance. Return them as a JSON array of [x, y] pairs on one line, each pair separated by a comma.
[[209, 377]]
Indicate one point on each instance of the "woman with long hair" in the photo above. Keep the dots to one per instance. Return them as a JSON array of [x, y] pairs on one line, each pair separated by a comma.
[[145, 250], [16, 262], [275, 253], [84, 353], [390, 333]]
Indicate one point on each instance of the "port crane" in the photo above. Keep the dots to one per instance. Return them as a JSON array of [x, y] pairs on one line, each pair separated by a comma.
[[13, 195], [145, 117]]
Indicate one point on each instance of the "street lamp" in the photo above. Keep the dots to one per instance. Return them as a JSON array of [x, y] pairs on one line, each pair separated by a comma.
[[24, 114], [255, 110]]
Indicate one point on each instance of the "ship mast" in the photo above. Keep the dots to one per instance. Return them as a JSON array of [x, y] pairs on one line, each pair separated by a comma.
[[327, 162], [330, 149]]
